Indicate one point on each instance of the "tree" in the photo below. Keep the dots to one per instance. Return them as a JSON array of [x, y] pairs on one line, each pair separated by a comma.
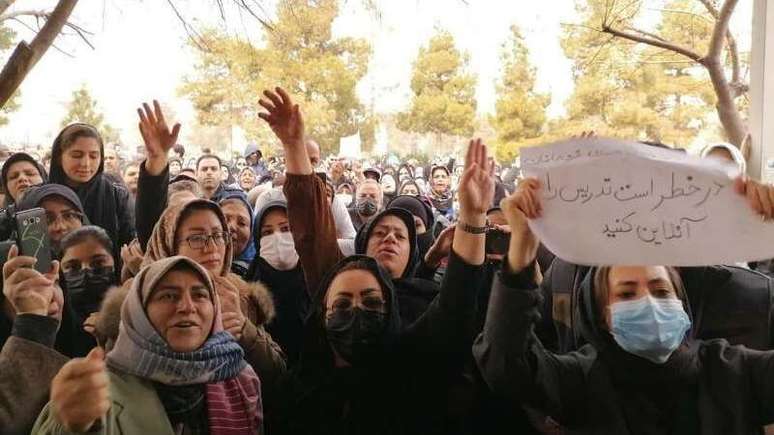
[[708, 54], [26, 55], [636, 91], [520, 112], [83, 108], [444, 92], [301, 55]]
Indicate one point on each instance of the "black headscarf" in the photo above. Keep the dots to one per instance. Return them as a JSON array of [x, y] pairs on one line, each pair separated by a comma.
[[651, 389], [18, 157], [423, 210], [93, 194], [444, 201], [35, 195], [414, 294]]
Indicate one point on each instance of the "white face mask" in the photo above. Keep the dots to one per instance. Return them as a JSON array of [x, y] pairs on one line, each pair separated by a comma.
[[279, 251]]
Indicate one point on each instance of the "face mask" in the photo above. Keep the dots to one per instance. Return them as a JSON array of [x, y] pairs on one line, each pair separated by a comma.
[[345, 198], [648, 327], [355, 334], [366, 207], [86, 287], [279, 251]]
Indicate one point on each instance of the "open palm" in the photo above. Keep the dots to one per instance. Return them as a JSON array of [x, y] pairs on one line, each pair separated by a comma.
[[284, 117], [155, 131], [477, 186]]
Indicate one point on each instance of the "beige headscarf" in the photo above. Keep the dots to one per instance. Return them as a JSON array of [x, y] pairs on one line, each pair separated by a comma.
[[163, 239]]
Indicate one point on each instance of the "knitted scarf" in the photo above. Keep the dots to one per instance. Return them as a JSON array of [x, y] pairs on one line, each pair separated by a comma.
[[232, 389]]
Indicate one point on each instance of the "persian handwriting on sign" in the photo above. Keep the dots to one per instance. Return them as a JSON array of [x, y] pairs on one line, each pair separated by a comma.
[[625, 192], [612, 202], [652, 234]]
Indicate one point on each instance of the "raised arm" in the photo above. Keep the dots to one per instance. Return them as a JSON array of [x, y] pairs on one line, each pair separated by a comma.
[[309, 211], [512, 360], [154, 171], [446, 329]]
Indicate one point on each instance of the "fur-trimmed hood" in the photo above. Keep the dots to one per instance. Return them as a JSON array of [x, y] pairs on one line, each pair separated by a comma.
[[257, 305]]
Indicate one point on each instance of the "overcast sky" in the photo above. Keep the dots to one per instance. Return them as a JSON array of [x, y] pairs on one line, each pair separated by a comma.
[[141, 53]]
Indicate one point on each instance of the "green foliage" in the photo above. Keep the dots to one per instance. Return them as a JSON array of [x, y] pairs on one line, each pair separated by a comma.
[[444, 93], [83, 108], [520, 112], [300, 55], [634, 90]]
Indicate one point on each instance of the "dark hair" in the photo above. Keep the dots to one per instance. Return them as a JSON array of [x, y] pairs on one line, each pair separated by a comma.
[[73, 132], [208, 156], [179, 149], [135, 163], [88, 232]]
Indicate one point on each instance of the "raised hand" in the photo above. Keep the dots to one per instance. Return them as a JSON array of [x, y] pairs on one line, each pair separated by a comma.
[[520, 206], [157, 136], [29, 291], [80, 392], [441, 247], [230, 307], [477, 186], [285, 119]]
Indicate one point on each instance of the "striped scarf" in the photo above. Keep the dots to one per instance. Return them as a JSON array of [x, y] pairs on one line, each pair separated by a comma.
[[232, 387]]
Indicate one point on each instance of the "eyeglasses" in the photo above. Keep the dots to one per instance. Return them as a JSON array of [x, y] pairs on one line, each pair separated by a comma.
[[200, 241], [67, 217]]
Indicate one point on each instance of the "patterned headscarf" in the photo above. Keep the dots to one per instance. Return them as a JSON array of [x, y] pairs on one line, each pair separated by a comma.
[[219, 363]]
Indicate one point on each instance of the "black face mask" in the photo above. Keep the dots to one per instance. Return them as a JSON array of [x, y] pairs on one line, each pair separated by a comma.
[[86, 288], [367, 207], [356, 334]]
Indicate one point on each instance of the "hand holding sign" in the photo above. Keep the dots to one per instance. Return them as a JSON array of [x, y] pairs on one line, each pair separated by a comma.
[[608, 202]]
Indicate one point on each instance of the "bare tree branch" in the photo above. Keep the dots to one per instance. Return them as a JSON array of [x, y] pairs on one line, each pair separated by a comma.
[[634, 37], [5, 4], [26, 56], [648, 34]]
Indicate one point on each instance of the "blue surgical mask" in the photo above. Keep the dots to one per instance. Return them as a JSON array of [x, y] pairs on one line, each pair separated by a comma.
[[650, 328]]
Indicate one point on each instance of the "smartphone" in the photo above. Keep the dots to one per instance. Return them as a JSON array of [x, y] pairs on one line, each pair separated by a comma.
[[5, 246], [32, 237], [497, 242]]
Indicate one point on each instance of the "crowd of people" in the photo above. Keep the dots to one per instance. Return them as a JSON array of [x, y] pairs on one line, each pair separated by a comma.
[[303, 295]]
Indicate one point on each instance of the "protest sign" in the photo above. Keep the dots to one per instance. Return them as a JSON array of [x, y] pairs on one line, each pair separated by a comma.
[[607, 202]]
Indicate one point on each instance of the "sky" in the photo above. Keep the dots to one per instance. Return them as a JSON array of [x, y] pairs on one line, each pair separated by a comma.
[[141, 53]]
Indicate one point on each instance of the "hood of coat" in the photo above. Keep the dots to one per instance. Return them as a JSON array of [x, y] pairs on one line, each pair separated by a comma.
[[35, 195], [316, 345], [364, 234]]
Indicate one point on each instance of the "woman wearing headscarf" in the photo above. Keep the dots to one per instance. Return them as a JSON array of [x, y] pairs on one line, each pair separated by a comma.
[[278, 267], [389, 187], [440, 192], [409, 187], [247, 179], [173, 368], [642, 371], [198, 230], [77, 162], [20, 172], [239, 217]]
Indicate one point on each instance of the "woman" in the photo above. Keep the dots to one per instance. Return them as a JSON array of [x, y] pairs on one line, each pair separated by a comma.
[[441, 193], [642, 371], [239, 217], [247, 179], [198, 230], [20, 172], [279, 268], [77, 162], [175, 166], [389, 187], [409, 187], [173, 368], [405, 173], [88, 271]]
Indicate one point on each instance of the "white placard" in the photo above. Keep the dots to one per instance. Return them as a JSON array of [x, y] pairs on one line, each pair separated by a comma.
[[607, 202]]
